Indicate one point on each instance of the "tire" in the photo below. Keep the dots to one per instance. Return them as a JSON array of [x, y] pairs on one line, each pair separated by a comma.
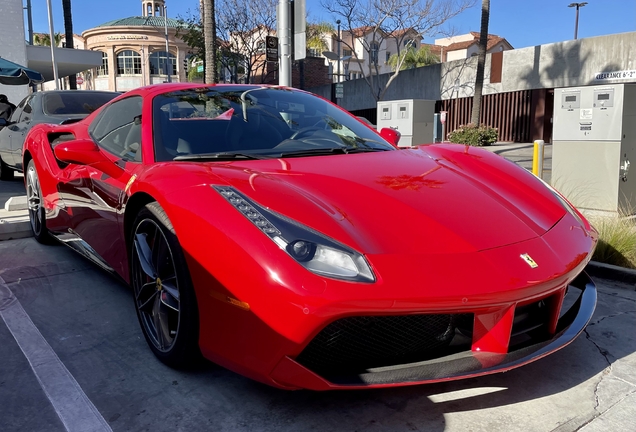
[[162, 290], [6, 173], [37, 216]]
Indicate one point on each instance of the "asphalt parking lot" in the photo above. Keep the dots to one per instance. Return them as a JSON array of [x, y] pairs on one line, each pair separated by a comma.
[[73, 358], [88, 321]]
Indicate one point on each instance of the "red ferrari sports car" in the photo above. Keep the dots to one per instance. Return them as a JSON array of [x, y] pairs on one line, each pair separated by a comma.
[[279, 236]]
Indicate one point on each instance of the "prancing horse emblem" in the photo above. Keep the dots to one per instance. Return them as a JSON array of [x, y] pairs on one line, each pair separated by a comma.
[[528, 259]]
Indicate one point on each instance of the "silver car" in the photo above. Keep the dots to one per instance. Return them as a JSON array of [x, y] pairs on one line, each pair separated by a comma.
[[59, 107]]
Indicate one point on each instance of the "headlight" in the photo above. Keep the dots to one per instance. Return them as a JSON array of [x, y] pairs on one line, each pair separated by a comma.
[[311, 249]]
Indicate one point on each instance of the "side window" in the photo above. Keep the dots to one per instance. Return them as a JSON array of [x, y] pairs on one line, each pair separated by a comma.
[[16, 114], [27, 111], [118, 128]]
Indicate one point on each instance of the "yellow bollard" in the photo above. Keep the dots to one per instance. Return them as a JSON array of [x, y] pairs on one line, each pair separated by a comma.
[[537, 160]]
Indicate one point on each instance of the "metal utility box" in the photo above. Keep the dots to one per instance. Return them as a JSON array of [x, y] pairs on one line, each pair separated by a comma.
[[593, 146], [413, 118]]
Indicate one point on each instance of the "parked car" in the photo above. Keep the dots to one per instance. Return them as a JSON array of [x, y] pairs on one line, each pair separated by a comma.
[[280, 237], [60, 107]]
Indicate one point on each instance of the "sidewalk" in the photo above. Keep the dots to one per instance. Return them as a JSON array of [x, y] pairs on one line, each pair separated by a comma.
[[13, 224]]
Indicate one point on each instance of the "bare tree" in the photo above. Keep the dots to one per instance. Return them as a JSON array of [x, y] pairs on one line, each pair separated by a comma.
[[68, 29], [481, 62], [371, 22], [246, 23], [209, 35]]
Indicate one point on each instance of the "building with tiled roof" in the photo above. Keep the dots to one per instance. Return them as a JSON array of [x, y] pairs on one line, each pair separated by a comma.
[[134, 50], [366, 48], [465, 46]]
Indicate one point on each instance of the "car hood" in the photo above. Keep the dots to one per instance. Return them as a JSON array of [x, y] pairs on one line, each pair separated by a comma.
[[407, 201]]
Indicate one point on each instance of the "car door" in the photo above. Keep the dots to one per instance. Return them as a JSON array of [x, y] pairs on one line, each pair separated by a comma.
[[6, 133], [20, 129], [117, 132]]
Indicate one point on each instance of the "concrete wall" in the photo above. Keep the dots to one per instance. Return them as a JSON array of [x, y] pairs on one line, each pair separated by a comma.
[[12, 46], [564, 64]]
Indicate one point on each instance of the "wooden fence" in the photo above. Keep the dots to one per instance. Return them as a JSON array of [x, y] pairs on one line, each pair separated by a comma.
[[510, 113]]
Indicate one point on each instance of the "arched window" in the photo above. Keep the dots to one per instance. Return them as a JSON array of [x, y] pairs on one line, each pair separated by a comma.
[[373, 52], [128, 63], [158, 62], [103, 69]]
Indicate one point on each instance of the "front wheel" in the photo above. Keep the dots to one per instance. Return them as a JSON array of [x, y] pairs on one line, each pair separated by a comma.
[[35, 204], [164, 297]]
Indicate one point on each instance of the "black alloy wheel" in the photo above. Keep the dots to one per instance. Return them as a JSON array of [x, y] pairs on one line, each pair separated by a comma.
[[6, 173], [164, 297], [35, 204]]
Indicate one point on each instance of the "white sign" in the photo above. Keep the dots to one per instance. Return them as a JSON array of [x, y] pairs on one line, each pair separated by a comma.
[[442, 116], [339, 90], [618, 75], [127, 37]]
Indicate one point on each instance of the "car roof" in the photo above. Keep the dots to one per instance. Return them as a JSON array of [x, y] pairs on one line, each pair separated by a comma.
[[155, 89]]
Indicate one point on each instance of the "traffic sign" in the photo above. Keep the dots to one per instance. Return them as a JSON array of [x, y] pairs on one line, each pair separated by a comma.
[[339, 90], [442, 116], [79, 80], [271, 47]]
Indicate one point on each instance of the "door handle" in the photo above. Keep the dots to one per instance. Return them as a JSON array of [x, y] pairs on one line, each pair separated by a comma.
[[624, 169]]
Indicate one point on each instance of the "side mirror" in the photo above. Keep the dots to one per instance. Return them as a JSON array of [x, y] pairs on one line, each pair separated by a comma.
[[391, 135], [86, 152]]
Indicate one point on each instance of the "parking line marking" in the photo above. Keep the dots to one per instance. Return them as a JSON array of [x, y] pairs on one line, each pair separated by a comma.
[[71, 404]]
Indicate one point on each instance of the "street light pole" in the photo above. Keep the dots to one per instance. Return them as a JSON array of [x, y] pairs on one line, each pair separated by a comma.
[[29, 21], [168, 62], [338, 22], [52, 36], [576, 24]]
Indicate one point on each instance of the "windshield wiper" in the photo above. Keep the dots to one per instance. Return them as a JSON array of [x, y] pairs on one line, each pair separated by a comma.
[[328, 151], [219, 156]]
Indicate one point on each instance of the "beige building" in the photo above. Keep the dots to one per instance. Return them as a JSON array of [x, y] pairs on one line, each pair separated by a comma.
[[466, 46], [134, 50]]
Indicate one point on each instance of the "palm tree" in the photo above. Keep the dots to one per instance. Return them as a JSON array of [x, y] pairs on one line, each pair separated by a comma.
[[68, 29], [315, 41], [412, 58], [316, 35], [481, 61], [44, 39], [209, 35]]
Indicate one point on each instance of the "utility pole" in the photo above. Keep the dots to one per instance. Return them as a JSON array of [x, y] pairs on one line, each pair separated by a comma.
[[29, 21], [284, 42], [52, 36], [339, 57]]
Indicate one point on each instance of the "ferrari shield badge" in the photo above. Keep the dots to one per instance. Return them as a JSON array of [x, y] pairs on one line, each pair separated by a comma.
[[528, 259]]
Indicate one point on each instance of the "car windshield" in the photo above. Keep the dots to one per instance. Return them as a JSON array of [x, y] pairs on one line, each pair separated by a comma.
[[75, 102], [250, 122]]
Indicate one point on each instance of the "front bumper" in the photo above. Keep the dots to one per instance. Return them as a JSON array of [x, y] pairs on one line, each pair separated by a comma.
[[490, 349]]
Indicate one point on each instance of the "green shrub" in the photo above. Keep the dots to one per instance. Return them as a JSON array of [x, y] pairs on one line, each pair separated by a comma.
[[617, 240], [474, 135]]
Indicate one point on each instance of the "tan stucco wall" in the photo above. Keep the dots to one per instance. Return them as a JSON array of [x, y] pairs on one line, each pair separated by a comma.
[[144, 41]]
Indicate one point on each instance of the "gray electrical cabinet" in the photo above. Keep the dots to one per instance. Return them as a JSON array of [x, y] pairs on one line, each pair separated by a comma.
[[593, 146], [413, 118]]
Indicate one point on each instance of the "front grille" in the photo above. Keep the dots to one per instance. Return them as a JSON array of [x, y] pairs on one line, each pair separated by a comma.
[[354, 344]]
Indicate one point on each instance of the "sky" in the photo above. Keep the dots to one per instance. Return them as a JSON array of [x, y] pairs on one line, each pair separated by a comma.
[[522, 22]]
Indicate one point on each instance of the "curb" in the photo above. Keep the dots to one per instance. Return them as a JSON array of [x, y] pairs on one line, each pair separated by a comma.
[[612, 272], [14, 224]]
